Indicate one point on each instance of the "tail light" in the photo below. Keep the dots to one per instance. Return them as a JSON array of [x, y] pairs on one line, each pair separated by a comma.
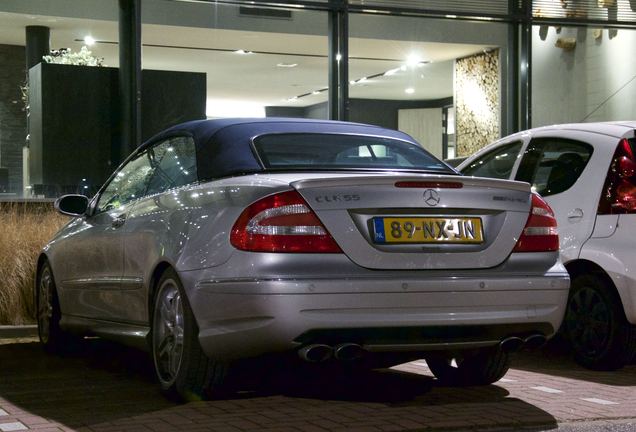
[[619, 191], [282, 222], [540, 232]]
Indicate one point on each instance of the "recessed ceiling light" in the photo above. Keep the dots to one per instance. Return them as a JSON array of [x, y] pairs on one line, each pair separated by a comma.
[[243, 52], [315, 92], [413, 60], [89, 40], [409, 90], [287, 65], [292, 99]]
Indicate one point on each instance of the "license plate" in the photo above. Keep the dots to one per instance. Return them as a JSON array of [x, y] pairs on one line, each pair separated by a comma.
[[427, 230]]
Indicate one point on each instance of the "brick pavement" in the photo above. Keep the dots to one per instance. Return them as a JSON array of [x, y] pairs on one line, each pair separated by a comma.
[[109, 388]]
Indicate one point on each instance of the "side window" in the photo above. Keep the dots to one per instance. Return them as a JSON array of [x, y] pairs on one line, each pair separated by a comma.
[[175, 164], [553, 165], [128, 184], [495, 164]]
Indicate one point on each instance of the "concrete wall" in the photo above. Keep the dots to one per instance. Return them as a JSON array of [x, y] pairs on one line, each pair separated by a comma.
[[12, 117], [592, 82]]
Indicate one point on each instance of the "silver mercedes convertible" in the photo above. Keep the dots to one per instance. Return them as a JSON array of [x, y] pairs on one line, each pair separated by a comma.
[[220, 240]]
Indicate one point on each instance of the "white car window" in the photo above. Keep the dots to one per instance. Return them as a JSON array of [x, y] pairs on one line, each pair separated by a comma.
[[553, 165], [495, 164]]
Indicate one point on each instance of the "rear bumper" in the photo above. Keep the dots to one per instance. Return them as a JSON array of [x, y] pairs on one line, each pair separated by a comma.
[[241, 318]]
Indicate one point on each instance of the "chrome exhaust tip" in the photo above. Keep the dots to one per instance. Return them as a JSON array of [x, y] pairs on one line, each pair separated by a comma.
[[535, 341], [348, 351], [511, 344], [315, 353]]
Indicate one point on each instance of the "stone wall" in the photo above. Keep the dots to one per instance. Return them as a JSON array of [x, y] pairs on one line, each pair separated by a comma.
[[477, 97], [12, 116]]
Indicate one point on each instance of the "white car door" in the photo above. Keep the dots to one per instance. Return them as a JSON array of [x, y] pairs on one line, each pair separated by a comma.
[[561, 170]]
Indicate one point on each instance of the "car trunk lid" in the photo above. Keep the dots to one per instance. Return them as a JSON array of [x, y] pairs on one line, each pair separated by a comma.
[[420, 222]]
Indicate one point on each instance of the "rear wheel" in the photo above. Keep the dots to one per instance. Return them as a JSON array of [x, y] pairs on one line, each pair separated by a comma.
[[49, 313], [596, 327], [481, 367], [181, 366]]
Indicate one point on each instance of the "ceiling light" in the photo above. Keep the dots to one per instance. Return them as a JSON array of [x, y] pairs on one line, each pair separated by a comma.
[[292, 99], [409, 90], [338, 57], [220, 108], [413, 60], [89, 40], [287, 65], [315, 92], [243, 52], [391, 72], [403, 68], [352, 82]]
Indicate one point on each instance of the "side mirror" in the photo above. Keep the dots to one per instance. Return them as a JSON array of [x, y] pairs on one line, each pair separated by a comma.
[[72, 205]]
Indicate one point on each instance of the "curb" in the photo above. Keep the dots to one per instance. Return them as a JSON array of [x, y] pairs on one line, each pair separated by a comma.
[[19, 331]]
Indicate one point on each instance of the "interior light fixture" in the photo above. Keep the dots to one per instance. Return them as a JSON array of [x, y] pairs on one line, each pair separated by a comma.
[[315, 92], [409, 90], [243, 52], [89, 40], [413, 60], [391, 72], [287, 65], [338, 57]]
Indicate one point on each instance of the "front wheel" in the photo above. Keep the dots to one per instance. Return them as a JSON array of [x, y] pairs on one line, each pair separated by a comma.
[[49, 313], [596, 327], [181, 366], [481, 367]]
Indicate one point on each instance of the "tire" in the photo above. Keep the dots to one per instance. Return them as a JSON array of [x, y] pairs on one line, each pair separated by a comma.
[[482, 367], [596, 327], [182, 368], [49, 313]]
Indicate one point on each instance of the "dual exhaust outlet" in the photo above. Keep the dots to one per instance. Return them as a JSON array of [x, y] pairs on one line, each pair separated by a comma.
[[320, 352], [515, 343], [316, 353]]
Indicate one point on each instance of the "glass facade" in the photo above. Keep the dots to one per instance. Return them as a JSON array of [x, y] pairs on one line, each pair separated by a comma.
[[454, 82], [582, 74]]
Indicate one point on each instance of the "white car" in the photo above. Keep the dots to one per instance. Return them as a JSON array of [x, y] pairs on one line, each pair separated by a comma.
[[587, 174]]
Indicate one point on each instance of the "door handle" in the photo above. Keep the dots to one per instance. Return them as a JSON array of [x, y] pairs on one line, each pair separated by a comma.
[[119, 221], [575, 215]]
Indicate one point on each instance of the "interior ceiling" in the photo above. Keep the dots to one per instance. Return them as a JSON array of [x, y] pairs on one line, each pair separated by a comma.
[[257, 79]]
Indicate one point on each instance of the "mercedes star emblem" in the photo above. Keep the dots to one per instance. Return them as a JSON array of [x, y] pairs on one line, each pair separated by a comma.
[[431, 197]]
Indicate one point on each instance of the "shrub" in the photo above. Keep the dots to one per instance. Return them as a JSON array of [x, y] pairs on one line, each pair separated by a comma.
[[24, 230]]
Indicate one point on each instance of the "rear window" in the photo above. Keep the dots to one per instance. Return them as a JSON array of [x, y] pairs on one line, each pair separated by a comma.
[[331, 151]]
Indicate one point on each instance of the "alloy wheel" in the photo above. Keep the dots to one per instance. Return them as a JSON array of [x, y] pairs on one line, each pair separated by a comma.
[[588, 321], [45, 304], [168, 332]]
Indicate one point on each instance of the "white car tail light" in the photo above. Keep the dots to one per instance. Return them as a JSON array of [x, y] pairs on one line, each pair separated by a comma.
[[282, 222], [540, 233], [619, 191]]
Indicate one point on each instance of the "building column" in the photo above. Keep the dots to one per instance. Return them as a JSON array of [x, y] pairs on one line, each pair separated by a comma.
[[525, 67], [38, 44], [129, 78], [338, 60]]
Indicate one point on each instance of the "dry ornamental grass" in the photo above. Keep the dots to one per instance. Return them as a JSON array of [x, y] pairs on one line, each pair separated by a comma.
[[24, 230]]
